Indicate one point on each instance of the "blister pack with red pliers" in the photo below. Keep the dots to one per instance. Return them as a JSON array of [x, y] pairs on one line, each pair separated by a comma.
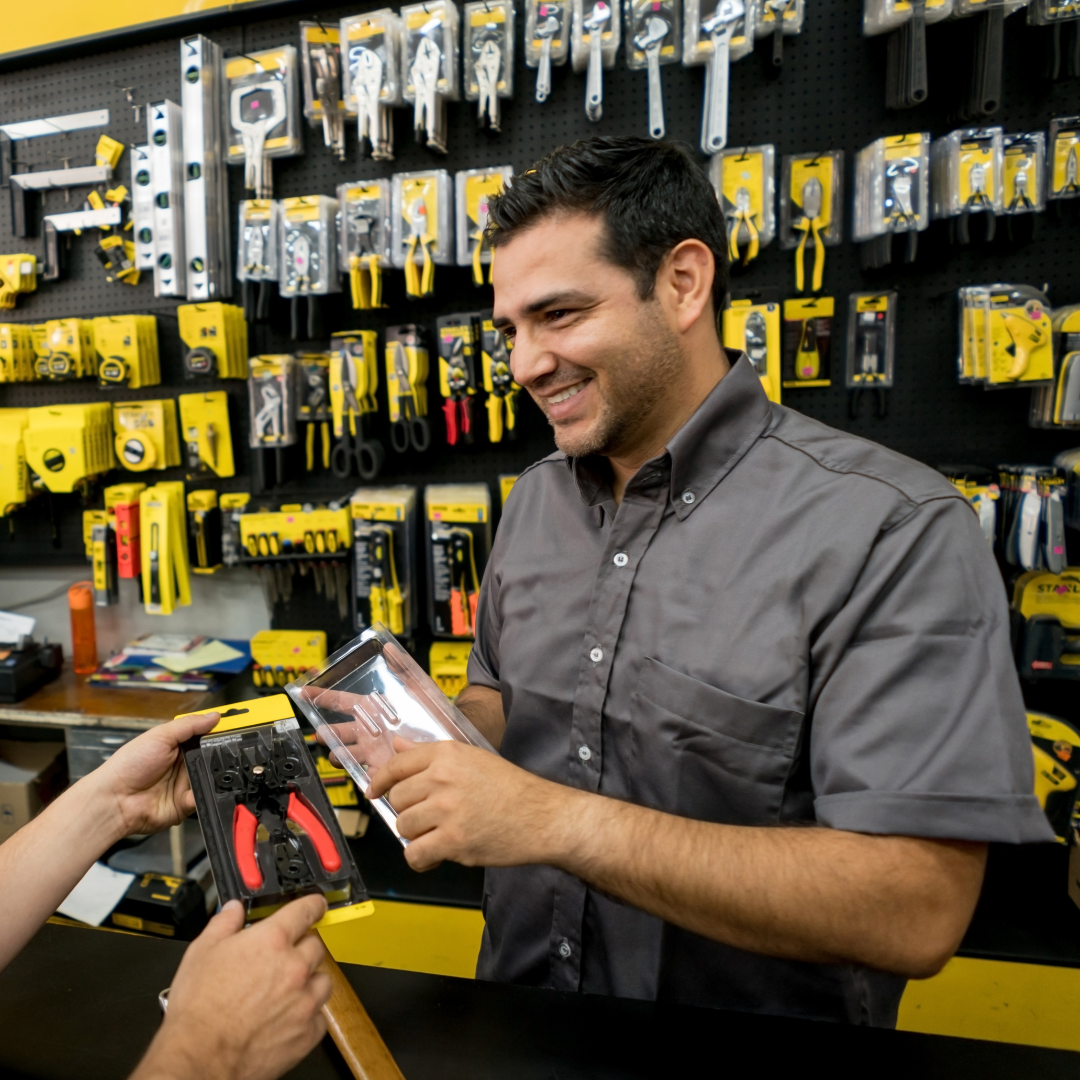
[[270, 831]]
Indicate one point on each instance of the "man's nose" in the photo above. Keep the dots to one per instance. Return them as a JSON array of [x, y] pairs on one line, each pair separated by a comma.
[[530, 359]]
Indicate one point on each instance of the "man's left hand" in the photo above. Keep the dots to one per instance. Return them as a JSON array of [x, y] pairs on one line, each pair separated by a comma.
[[462, 803]]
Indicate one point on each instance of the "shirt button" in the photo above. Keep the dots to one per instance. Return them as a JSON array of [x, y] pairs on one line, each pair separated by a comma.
[[688, 498], [584, 753], [621, 559], [596, 655], [564, 949]]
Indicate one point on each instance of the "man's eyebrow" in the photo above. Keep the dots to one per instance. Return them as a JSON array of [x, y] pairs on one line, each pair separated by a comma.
[[558, 299]]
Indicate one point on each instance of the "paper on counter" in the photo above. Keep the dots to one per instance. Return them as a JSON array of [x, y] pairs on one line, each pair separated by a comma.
[[93, 899], [202, 656], [13, 626]]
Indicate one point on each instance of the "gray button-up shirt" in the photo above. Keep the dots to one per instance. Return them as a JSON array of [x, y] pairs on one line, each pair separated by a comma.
[[779, 624]]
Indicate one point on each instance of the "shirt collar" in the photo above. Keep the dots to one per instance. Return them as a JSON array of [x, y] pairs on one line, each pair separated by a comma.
[[702, 452]]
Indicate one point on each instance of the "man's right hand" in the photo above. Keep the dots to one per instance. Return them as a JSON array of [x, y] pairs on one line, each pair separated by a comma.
[[244, 1005]]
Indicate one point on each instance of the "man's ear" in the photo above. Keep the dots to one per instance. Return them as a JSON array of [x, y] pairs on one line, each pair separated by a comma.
[[684, 283]]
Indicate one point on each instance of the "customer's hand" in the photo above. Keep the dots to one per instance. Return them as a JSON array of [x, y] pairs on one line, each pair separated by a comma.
[[146, 779], [244, 1005]]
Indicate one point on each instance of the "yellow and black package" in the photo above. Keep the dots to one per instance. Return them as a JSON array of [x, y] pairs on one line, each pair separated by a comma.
[[1006, 336], [14, 479], [204, 531], [807, 342], [281, 655], [448, 664], [753, 327], [146, 435], [459, 344], [216, 336], [204, 425], [270, 831], [1055, 745], [162, 905], [745, 185], [384, 559], [67, 444], [127, 350], [457, 542], [166, 567], [406, 387], [502, 390]]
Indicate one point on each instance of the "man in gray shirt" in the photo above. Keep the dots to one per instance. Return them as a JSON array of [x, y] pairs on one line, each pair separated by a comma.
[[750, 677]]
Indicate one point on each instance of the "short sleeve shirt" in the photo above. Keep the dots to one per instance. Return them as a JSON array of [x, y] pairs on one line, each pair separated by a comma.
[[780, 624]]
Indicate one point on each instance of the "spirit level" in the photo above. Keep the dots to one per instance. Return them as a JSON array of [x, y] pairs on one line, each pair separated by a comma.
[[164, 121], [142, 207], [206, 194]]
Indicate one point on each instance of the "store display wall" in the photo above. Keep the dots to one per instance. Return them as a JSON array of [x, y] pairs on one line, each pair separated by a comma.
[[830, 95]]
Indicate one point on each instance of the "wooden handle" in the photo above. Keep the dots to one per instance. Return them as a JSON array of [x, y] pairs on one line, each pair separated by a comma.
[[351, 1028]]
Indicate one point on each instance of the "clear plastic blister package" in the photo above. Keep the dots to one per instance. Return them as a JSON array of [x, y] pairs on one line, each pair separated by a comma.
[[963, 8], [308, 246], [883, 16], [594, 43], [422, 227], [257, 255], [430, 34], [1023, 168], [656, 22], [871, 340], [745, 183], [1005, 335], [788, 15], [547, 40], [473, 189], [653, 39], [1064, 169], [1048, 12], [270, 831], [704, 22], [262, 113], [320, 63], [272, 401], [1059, 405], [366, 695], [371, 77], [966, 172], [892, 186], [364, 245], [488, 52]]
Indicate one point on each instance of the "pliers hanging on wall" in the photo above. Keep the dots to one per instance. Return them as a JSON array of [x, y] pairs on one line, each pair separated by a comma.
[[266, 794], [742, 218], [503, 394], [978, 202], [457, 408], [417, 284], [809, 224]]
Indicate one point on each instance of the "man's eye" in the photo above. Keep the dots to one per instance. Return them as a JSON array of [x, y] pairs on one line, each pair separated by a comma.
[[557, 314]]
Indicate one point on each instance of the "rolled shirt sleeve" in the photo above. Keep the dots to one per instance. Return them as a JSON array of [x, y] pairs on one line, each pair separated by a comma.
[[918, 725]]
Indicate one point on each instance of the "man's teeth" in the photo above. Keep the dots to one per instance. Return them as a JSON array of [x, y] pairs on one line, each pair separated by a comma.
[[568, 393]]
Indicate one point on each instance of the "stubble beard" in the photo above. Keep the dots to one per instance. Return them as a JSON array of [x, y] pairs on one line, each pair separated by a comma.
[[633, 391]]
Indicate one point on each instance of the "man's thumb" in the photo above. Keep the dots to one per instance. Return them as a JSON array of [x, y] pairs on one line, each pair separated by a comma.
[[228, 921]]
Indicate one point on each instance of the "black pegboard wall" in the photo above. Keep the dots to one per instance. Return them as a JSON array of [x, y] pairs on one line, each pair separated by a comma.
[[829, 95]]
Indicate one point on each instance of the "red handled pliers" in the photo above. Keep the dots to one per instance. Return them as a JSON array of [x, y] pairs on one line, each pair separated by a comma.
[[266, 794]]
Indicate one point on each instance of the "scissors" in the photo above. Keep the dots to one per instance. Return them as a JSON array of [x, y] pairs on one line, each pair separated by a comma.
[[410, 427], [353, 447]]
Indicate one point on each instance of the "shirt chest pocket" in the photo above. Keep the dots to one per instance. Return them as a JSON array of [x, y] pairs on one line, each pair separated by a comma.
[[703, 753]]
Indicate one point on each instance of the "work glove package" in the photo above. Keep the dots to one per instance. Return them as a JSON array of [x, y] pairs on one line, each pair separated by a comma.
[[366, 694]]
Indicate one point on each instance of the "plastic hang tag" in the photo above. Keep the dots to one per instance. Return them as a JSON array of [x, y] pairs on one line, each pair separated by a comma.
[[368, 694]]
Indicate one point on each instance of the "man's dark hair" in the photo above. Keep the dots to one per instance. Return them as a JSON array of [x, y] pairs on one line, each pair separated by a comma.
[[652, 196]]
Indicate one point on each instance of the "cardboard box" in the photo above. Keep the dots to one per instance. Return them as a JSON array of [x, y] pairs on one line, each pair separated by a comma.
[[31, 775]]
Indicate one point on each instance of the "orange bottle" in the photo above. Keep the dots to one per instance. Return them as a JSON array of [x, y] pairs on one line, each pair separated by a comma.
[[83, 637]]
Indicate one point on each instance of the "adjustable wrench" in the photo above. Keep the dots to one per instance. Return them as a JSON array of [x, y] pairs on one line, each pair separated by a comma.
[[721, 27], [649, 43], [545, 31], [594, 81]]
